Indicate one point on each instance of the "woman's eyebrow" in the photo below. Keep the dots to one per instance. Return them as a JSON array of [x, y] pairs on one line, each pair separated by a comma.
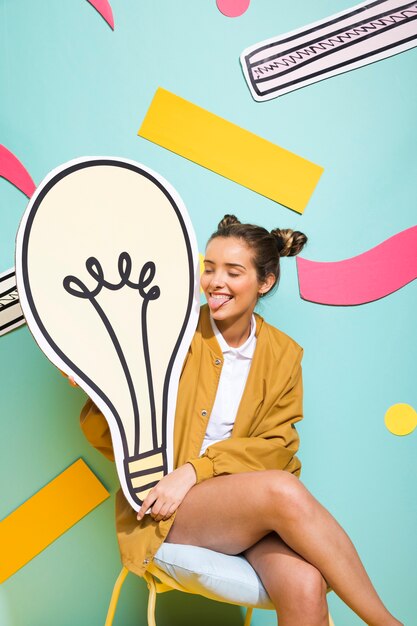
[[227, 264], [235, 265]]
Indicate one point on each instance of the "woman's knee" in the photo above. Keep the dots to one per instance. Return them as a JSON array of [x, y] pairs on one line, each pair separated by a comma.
[[313, 588], [306, 594], [288, 495], [313, 597]]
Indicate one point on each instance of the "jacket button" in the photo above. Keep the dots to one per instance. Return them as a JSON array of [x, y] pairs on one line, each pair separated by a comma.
[[204, 412], [146, 561], [218, 362]]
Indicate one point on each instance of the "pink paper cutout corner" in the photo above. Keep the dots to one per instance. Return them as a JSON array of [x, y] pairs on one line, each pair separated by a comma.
[[105, 10], [13, 170], [233, 8], [370, 276]]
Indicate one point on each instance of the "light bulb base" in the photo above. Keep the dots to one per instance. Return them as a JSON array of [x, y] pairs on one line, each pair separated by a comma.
[[143, 471]]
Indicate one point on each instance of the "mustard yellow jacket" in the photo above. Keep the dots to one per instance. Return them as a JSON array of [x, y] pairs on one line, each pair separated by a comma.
[[263, 436]]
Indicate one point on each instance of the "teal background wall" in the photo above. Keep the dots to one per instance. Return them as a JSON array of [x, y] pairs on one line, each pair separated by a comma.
[[71, 87]]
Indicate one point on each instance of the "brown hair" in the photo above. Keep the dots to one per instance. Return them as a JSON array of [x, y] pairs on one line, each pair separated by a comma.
[[267, 247]]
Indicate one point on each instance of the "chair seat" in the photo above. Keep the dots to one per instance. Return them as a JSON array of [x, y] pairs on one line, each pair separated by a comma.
[[212, 574]]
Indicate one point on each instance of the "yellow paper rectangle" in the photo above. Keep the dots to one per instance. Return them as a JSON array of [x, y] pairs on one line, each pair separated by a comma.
[[229, 150], [47, 515]]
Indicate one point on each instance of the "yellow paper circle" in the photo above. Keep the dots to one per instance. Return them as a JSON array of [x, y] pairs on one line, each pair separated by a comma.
[[401, 419]]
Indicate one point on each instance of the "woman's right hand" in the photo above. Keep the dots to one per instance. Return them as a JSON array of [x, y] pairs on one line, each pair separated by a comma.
[[164, 499]]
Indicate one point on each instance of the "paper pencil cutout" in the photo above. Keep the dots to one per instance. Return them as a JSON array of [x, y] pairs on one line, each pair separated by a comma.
[[12, 170], [363, 34], [229, 150], [369, 276], [47, 515], [11, 314], [104, 8], [107, 271]]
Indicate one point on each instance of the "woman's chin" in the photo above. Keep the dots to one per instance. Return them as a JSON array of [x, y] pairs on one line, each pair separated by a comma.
[[222, 316]]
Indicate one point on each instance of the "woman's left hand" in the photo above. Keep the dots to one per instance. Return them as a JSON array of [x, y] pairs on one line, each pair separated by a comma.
[[168, 494], [70, 379]]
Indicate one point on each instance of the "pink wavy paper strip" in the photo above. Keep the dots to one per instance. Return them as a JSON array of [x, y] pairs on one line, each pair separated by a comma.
[[104, 8], [363, 278], [12, 170]]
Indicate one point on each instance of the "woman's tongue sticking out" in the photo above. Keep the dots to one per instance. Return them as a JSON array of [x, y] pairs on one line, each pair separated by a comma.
[[218, 300]]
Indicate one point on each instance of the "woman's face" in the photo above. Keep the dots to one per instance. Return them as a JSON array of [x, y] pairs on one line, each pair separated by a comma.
[[229, 280]]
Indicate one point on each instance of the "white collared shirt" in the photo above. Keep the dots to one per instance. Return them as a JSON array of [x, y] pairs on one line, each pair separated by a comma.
[[235, 370]]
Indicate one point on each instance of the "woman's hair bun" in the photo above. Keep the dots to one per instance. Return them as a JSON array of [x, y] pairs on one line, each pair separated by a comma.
[[228, 220], [289, 242]]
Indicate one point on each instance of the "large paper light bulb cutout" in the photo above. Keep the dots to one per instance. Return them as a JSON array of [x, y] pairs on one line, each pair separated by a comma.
[[107, 271]]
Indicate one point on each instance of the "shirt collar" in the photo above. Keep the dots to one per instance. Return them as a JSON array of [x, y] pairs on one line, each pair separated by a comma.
[[246, 350]]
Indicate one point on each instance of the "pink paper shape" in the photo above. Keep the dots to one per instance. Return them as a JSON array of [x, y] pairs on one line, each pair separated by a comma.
[[12, 170], [232, 8], [363, 278], [104, 8]]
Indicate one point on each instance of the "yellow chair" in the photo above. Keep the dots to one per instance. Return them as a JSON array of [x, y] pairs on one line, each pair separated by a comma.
[[160, 581]]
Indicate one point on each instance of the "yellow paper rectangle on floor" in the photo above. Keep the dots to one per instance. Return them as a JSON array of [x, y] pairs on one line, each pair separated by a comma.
[[47, 515], [229, 150]]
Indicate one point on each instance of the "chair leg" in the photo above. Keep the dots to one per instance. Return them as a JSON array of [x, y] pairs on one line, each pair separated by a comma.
[[151, 600], [248, 617], [115, 596]]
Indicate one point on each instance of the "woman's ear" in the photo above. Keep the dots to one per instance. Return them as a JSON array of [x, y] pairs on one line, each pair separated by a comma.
[[267, 284]]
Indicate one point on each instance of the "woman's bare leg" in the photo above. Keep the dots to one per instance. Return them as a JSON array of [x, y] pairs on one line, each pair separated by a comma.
[[231, 513], [296, 588]]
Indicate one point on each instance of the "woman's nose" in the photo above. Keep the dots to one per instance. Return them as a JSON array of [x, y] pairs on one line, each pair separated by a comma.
[[217, 280]]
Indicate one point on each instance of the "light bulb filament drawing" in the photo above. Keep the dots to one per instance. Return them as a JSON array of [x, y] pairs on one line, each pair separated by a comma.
[[77, 288], [154, 469]]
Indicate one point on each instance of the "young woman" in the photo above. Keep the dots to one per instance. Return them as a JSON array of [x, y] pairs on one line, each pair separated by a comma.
[[235, 488]]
